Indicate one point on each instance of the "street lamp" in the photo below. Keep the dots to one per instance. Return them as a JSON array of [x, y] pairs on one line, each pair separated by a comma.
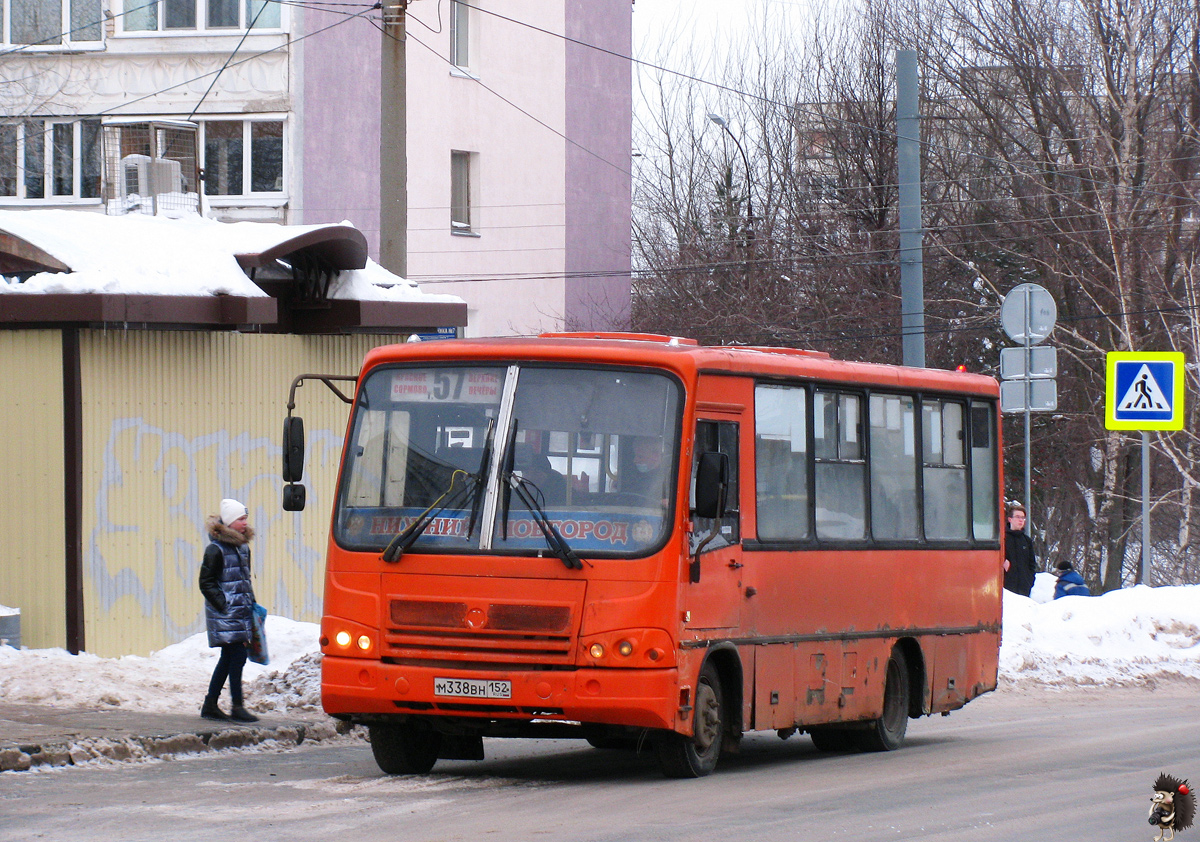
[[724, 124]]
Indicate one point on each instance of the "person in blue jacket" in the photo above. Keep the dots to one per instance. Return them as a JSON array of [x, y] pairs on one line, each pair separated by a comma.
[[1069, 582], [228, 606]]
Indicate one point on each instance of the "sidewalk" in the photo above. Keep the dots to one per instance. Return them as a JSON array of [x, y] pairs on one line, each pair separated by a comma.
[[32, 735]]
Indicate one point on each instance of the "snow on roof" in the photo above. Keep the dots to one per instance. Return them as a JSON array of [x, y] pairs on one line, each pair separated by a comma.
[[153, 255]]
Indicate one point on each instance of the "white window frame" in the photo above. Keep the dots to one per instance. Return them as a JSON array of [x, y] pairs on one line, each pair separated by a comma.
[[200, 23], [464, 165], [460, 34], [267, 197], [46, 138], [463, 39], [65, 27]]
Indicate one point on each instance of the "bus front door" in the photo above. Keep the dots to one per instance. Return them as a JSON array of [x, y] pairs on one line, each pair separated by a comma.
[[714, 591]]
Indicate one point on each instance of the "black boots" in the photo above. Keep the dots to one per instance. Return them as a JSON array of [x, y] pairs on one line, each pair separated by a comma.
[[209, 710], [240, 714]]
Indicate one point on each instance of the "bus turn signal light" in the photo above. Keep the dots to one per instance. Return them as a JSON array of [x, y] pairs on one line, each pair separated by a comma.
[[624, 648], [364, 642], [596, 651]]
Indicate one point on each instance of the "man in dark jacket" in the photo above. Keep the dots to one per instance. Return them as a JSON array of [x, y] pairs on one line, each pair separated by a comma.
[[1019, 564], [228, 606]]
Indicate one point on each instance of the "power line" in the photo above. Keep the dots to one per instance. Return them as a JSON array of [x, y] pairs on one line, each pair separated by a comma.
[[1033, 169]]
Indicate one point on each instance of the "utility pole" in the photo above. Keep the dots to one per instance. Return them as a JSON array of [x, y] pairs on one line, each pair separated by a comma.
[[908, 158], [393, 142]]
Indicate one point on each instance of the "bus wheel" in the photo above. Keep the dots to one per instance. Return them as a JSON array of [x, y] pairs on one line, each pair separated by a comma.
[[833, 739], [682, 756], [405, 749], [887, 732]]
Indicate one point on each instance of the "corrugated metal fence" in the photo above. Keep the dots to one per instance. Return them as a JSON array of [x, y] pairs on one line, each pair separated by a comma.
[[172, 422], [31, 470]]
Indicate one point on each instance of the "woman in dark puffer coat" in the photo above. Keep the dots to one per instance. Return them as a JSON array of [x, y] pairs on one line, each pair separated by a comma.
[[228, 606]]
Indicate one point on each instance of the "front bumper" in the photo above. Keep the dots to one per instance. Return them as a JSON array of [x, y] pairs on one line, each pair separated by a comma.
[[636, 698]]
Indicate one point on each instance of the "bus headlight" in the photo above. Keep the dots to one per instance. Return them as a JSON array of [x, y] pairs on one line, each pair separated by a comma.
[[343, 638], [629, 648]]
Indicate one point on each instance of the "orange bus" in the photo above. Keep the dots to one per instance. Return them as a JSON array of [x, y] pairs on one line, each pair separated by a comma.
[[638, 541]]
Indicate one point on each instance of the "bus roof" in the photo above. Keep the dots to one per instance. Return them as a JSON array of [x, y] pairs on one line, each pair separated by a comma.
[[685, 357]]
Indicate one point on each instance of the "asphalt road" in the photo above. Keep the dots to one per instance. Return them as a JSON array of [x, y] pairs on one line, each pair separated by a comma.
[[1010, 766]]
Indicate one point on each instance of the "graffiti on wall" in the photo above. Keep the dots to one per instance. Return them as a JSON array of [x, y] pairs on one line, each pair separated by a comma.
[[155, 489]]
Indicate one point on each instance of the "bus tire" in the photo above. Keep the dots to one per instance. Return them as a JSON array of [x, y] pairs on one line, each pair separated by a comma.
[[887, 732], [404, 749], [683, 756]]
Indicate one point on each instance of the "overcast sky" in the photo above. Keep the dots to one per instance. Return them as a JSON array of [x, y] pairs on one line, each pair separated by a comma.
[[701, 27]]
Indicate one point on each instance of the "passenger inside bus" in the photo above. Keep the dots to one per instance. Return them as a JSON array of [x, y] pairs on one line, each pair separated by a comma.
[[645, 477], [550, 482]]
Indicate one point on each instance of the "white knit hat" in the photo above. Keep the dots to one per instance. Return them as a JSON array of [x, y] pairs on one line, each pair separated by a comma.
[[231, 510]]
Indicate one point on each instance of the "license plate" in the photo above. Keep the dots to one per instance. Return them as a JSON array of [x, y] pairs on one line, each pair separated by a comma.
[[472, 688]]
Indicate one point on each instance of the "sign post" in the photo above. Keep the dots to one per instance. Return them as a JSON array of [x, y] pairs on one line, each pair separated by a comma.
[[1028, 314], [1144, 391]]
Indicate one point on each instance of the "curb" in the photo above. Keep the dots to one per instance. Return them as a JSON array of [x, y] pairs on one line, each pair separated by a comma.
[[165, 747]]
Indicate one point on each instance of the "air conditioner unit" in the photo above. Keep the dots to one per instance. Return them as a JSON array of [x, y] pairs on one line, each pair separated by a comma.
[[143, 179]]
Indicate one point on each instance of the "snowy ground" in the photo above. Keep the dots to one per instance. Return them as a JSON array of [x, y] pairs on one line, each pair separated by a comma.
[[1138, 636]]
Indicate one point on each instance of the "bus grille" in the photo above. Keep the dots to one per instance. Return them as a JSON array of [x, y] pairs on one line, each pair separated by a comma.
[[483, 635]]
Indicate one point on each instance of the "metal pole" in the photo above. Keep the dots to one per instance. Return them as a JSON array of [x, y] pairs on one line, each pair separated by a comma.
[[1145, 507], [1028, 400], [393, 137], [718, 120], [908, 159]]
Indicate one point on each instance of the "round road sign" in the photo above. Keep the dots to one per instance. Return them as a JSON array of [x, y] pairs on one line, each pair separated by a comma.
[[1028, 313]]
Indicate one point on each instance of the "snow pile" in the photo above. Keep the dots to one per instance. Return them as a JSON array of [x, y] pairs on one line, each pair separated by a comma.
[[296, 688], [1133, 636], [1136, 636], [170, 680]]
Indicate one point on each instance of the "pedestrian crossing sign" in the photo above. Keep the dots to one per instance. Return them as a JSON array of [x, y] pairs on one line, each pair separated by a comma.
[[1144, 391]]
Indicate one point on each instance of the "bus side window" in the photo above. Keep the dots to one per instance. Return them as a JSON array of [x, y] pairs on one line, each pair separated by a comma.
[[945, 469], [718, 437], [983, 471], [841, 494], [894, 505], [781, 462]]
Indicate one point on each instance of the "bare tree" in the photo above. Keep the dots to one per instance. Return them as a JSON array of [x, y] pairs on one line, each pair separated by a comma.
[[1061, 147], [1080, 174]]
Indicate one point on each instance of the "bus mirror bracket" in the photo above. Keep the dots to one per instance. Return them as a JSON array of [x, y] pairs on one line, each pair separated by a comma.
[[712, 495], [294, 495]]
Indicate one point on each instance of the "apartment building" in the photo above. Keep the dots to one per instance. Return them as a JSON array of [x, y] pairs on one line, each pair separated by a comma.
[[517, 146]]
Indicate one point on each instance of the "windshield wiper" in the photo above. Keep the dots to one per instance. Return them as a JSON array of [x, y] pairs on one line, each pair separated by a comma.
[[409, 535], [481, 477], [506, 472], [554, 539]]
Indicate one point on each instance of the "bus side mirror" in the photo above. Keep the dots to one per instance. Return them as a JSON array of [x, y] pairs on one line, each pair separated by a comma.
[[712, 485], [293, 451], [294, 498]]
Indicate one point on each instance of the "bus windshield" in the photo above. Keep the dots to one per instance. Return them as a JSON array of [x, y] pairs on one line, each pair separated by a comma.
[[484, 457]]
